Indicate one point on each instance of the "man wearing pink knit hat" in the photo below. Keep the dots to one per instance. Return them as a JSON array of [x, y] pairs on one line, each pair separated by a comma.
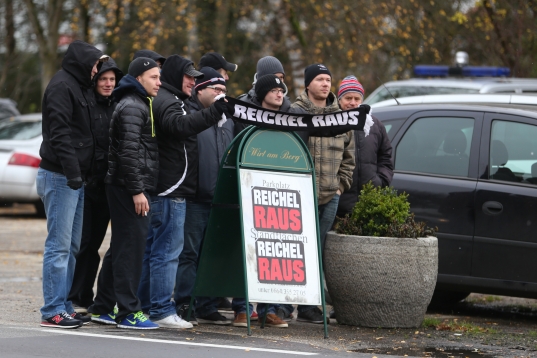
[[373, 153], [350, 93]]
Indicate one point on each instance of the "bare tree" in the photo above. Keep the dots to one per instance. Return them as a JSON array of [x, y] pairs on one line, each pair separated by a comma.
[[9, 40], [46, 33]]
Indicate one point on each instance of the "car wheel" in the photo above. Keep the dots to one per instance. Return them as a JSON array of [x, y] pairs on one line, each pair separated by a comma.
[[40, 209], [447, 298]]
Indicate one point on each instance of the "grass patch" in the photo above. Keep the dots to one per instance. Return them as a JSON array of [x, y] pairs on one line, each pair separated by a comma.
[[430, 322], [532, 334], [456, 326], [484, 299]]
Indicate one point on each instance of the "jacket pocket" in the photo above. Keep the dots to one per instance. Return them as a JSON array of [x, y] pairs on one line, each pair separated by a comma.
[[82, 102], [84, 151]]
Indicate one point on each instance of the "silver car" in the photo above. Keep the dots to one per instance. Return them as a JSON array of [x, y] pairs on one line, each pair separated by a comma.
[[20, 140]]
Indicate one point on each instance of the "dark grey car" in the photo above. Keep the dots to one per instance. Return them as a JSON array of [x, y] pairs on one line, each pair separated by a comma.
[[471, 171]]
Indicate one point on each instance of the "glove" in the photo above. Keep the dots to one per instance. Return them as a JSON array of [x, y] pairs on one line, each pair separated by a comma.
[[220, 105], [75, 183]]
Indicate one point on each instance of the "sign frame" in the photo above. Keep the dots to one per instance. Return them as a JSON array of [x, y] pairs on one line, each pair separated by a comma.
[[223, 268]]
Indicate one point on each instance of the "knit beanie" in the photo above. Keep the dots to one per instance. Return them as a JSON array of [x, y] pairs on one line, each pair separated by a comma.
[[266, 83], [210, 77], [140, 65], [313, 71], [269, 65], [350, 84]]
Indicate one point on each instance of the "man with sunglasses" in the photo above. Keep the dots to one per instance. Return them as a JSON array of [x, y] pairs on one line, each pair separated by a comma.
[[212, 145], [175, 130]]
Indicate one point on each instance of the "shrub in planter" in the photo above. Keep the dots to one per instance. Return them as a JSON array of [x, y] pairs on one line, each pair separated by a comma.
[[382, 212], [381, 265]]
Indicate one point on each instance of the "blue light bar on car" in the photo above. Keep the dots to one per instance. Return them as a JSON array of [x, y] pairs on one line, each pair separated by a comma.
[[467, 71]]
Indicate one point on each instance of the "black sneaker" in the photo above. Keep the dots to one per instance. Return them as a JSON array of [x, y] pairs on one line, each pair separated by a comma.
[[314, 315], [182, 311], [223, 304], [82, 318], [61, 320], [214, 318], [283, 315]]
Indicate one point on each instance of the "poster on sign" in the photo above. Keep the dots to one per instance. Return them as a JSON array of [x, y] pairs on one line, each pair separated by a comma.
[[280, 237]]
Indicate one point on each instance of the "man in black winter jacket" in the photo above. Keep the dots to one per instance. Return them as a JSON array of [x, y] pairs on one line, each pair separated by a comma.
[[212, 145], [96, 212], [373, 153], [66, 156], [176, 131], [132, 173]]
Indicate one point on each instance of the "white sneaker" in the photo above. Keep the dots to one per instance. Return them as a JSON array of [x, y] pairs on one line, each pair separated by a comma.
[[173, 321]]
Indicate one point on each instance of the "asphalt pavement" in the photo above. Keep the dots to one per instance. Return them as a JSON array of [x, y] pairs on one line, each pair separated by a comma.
[[22, 237]]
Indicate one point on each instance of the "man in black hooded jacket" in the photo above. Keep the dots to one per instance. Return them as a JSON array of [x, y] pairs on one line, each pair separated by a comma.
[[96, 212], [132, 173], [176, 131], [66, 156]]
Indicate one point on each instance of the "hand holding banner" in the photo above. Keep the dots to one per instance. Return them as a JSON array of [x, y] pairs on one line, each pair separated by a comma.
[[316, 124]]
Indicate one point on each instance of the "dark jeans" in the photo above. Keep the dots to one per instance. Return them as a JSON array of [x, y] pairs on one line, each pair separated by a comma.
[[96, 219], [197, 218], [122, 265], [327, 214]]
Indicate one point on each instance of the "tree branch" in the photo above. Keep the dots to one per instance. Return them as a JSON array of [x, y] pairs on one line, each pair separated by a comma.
[[31, 10]]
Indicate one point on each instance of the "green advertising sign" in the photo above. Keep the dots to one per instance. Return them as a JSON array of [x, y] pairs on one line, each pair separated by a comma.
[[262, 236]]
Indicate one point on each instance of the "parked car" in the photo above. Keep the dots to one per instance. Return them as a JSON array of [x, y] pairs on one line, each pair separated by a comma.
[[424, 86], [471, 171], [20, 140], [8, 109], [506, 100]]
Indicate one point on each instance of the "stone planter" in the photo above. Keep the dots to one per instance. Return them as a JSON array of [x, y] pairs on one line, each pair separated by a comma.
[[380, 281]]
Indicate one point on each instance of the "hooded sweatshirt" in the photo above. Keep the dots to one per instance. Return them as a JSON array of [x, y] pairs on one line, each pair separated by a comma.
[[176, 131], [67, 146], [133, 156], [100, 124], [333, 157]]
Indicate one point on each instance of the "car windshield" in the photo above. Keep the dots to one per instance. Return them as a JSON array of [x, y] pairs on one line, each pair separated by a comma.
[[20, 130], [400, 91]]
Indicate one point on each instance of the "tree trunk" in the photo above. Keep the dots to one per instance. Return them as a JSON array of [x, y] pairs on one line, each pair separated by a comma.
[[47, 38], [10, 42]]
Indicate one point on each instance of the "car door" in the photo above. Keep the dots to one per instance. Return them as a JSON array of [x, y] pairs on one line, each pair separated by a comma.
[[505, 243], [436, 156]]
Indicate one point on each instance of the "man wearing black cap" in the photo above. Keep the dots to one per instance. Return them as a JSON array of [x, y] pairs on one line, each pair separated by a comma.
[[212, 145], [66, 155], [333, 158], [217, 62], [132, 173], [96, 213], [175, 131], [150, 54]]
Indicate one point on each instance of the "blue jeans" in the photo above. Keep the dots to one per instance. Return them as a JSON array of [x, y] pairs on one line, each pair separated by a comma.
[[64, 208], [239, 306], [164, 244], [327, 214], [197, 218]]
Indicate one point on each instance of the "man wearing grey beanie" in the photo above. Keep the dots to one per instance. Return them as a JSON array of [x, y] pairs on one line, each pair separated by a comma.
[[267, 65]]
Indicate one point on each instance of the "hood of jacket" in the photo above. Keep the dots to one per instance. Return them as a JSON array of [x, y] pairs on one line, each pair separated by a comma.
[[107, 66], [79, 61], [173, 71], [305, 103], [128, 84]]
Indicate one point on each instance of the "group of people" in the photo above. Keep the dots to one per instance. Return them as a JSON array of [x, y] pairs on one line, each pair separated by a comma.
[[143, 150]]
